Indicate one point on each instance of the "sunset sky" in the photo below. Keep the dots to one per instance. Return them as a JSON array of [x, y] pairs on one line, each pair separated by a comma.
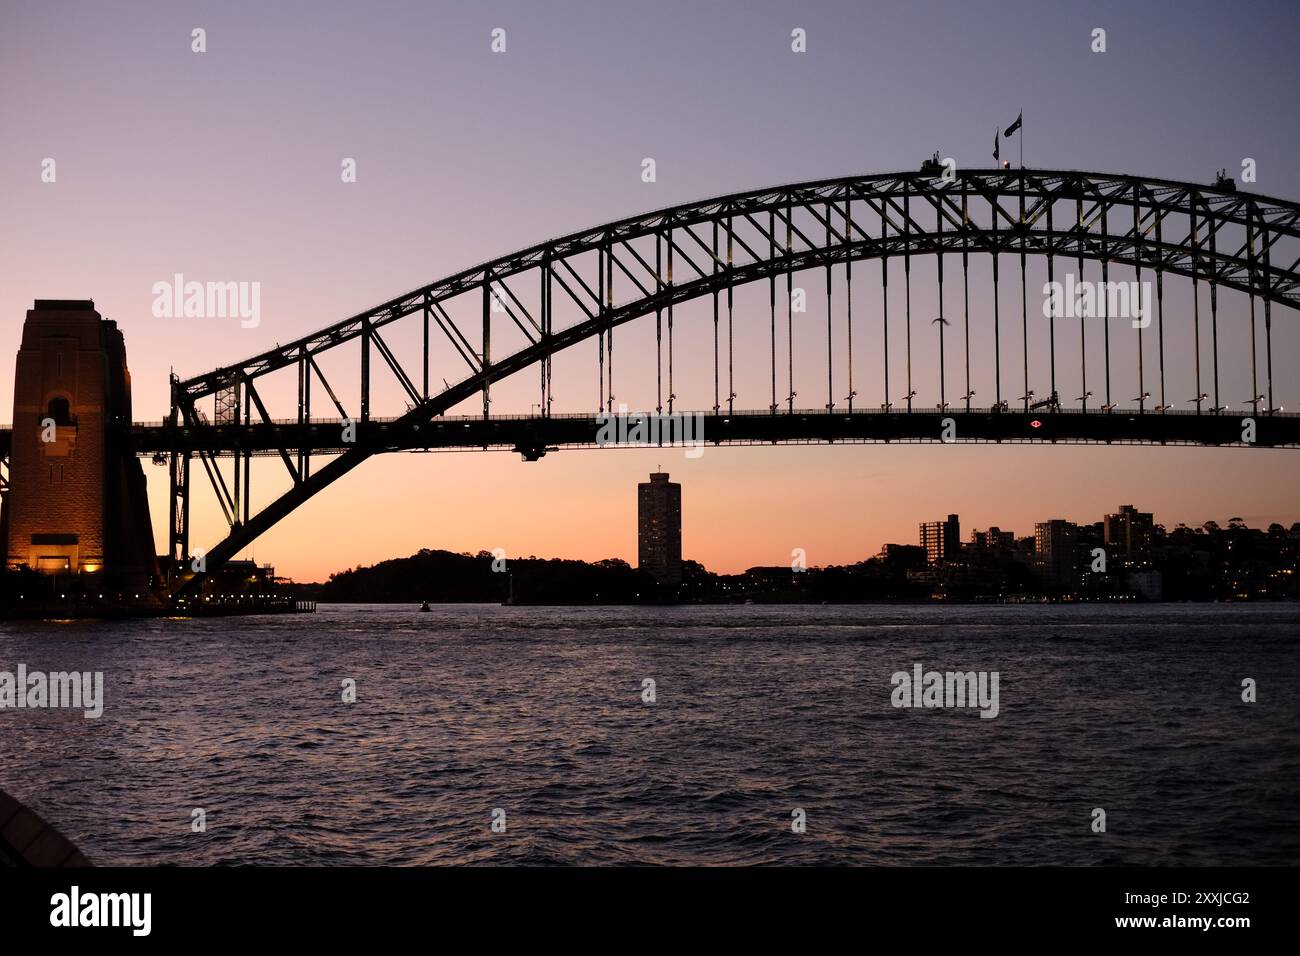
[[225, 165]]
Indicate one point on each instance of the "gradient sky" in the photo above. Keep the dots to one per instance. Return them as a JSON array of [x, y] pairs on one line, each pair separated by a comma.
[[225, 166]]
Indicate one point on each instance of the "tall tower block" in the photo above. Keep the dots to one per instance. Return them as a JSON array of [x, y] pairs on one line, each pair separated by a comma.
[[77, 501], [659, 528]]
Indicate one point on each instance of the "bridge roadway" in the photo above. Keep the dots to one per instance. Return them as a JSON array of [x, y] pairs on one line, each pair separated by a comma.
[[531, 435]]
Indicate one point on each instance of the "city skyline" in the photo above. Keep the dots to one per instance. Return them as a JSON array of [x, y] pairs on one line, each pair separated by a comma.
[[657, 507], [1124, 557]]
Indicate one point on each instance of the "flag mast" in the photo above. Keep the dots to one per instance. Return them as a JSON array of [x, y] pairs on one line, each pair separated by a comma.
[[1016, 127]]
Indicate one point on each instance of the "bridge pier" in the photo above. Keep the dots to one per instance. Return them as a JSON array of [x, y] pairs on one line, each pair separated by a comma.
[[76, 508]]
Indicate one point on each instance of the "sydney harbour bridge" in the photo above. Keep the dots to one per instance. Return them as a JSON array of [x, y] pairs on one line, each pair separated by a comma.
[[906, 297]]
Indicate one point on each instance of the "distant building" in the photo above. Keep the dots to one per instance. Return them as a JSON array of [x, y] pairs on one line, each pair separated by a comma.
[[1056, 551], [1128, 535], [902, 555], [941, 539], [763, 576], [993, 539], [1146, 582], [926, 575], [659, 528], [240, 579]]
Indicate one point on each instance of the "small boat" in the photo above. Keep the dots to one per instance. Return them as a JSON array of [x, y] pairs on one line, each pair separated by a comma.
[[425, 606]]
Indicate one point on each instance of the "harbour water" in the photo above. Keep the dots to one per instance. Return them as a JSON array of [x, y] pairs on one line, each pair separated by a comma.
[[540, 718]]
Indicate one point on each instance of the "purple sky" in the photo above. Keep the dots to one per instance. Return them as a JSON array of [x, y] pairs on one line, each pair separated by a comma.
[[225, 166]]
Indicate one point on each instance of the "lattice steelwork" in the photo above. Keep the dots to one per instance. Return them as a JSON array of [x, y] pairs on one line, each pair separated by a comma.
[[652, 264]]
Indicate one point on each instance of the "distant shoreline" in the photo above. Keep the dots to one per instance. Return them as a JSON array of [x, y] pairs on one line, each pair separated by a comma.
[[894, 603]]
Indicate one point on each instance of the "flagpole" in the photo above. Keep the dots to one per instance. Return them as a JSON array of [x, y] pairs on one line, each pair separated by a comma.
[[1021, 131]]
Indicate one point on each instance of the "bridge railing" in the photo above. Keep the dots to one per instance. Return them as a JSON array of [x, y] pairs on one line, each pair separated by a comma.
[[953, 408]]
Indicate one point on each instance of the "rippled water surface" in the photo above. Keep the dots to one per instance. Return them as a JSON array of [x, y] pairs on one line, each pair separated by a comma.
[[760, 710]]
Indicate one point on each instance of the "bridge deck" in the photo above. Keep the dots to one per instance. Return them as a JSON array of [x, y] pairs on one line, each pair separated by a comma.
[[530, 434]]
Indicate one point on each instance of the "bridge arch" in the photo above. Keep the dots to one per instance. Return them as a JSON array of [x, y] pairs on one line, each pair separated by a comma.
[[1212, 234]]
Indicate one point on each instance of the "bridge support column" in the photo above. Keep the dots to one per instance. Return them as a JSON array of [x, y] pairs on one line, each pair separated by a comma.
[[179, 513], [77, 504]]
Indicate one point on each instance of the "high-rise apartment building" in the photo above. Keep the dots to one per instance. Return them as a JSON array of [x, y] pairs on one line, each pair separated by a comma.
[[941, 539], [993, 539], [1128, 535], [659, 528], [1056, 545]]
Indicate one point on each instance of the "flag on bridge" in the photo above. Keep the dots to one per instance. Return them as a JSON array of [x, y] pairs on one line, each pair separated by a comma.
[[1014, 126], [996, 157]]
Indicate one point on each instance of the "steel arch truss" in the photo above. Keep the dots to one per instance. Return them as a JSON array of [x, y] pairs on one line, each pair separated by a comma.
[[583, 286]]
